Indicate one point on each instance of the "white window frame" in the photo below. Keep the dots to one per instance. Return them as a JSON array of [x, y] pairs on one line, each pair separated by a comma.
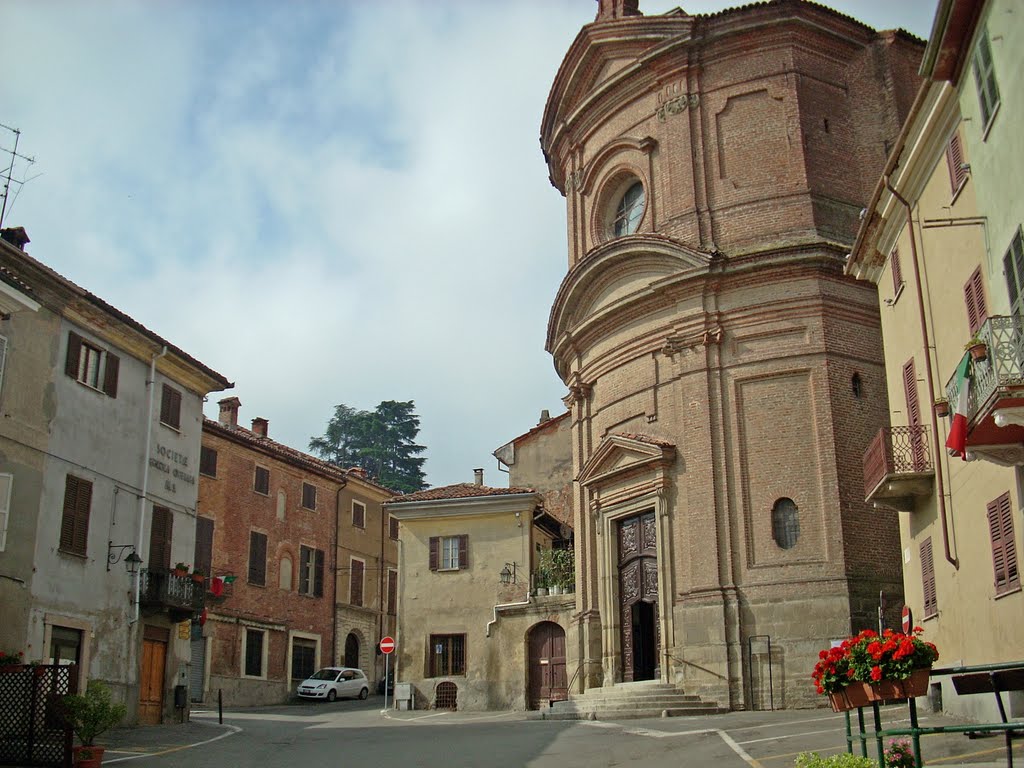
[[246, 629], [448, 560]]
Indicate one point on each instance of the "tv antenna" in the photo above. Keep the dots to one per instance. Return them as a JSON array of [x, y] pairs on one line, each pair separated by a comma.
[[8, 173]]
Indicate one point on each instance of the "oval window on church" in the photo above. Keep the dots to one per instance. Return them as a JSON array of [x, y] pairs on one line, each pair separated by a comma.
[[629, 210], [785, 523]]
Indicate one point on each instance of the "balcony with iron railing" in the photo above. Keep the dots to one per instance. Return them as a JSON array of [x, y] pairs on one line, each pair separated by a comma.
[[898, 466], [180, 596], [995, 398]]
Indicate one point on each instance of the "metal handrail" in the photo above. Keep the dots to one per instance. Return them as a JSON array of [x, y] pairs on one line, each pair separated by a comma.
[[1003, 367]]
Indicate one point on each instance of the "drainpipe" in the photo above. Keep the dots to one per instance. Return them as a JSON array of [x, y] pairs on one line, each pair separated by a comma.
[[955, 562], [524, 548], [334, 572], [151, 383]]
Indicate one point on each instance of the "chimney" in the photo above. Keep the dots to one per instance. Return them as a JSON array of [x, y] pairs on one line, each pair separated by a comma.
[[358, 472], [229, 411], [259, 426], [545, 415], [478, 476], [609, 10], [16, 236]]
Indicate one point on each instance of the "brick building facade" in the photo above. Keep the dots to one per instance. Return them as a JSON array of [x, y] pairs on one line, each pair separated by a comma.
[[310, 555], [723, 373]]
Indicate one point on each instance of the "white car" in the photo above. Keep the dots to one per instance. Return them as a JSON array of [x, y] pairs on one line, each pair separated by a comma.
[[333, 682]]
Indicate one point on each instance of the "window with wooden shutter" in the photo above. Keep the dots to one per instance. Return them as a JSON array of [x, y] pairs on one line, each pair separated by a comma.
[[3, 358], [74, 526], [931, 599], [955, 161], [207, 461], [318, 573], [261, 481], [974, 299], [897, 271], [917, 449], [447, 655], [392, 592], [1013, 269], [6, 483], [358, 514], [257, 558], [111, 368], [305, 569], [393, 526], [160, 533], [203, 558], [170, 407], [91, 365], [985, 79], [308, 496], [435, 552], [1004, 548], [356, 583]]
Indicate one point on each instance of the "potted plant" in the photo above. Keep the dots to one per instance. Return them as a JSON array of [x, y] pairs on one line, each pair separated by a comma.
[[977, 348], [941, 407], [900, 755], [541, 579], [10, 661], [89, 715], [198, 576], [869, 667], [180, 569]]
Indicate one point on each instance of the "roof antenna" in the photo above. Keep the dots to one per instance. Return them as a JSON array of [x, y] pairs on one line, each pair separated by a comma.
[[8, 174]]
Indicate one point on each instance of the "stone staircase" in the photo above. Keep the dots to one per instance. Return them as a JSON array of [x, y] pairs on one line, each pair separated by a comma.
[[647, 698]]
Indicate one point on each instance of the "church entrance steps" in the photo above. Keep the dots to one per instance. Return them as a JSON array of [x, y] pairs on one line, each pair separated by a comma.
[[621, 701]]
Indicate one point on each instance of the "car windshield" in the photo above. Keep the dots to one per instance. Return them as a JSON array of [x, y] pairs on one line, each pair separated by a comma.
[[325, 674]]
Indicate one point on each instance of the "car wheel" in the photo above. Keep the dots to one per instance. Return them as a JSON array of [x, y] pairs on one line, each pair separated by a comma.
[[332, 695], [364, 693]]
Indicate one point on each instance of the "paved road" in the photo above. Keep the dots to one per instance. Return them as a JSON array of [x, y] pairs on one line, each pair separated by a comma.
[[356, 733]]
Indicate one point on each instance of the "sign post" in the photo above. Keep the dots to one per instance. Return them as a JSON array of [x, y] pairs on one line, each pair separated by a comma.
[[908, 620], [387, 647]]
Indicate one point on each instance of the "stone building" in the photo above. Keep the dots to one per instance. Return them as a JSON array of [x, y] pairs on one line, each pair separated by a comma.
[[313, 559], [942, 241], [99, 449], [724, 374]]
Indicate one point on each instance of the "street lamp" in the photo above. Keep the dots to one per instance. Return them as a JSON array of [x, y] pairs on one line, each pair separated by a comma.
[[508, 573], [131, 562]]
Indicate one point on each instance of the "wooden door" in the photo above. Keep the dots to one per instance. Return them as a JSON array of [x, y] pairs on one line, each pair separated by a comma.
[[639, 628], [151, 681], [546, 663]]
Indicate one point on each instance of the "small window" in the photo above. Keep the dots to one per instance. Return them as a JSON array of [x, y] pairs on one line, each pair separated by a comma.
[[955, 161], [857, 386], [303, 658], [449, 553], [65, 645], [90, 365], [1013, 268], [985, 80], [931, 599], [358, 514], [308, 496], [257, 558], [974, 299], [629, 210], [170, 407], [207, 461], [254, 649], [447, 655], [785, 523], [393, 526], [1004, 548], [356, 582], [6, 483], [311, 571], [74, 526], [261, 481]]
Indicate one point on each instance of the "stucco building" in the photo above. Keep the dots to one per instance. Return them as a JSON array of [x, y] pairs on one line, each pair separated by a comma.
[[723, 372], [99, 449], [942, 241], [313, 559]]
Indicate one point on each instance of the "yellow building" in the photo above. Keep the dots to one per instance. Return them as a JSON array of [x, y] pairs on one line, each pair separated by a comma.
[[942, 240]]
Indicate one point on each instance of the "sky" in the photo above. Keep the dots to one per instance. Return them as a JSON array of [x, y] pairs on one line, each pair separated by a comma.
[[329, 203]]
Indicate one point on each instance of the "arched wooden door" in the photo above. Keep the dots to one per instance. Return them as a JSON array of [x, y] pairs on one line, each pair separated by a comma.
[[638, 597], [352, 650], [546, 661]]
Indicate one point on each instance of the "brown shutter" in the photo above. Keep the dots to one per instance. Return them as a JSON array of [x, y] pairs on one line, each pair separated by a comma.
[[955, 160], [392, 592], [931, 602], [208, 461], [435, 545], [74, 353], [463, 552], [356, 583], [897, 270], [974, 299], [160, 538], [74, 524], [910, 391], [111, 366], [318, 576], [1004, 548], [257, 558], [393, 524], [203, 559]]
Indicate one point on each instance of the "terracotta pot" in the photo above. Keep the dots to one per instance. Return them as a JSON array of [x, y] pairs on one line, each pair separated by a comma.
[[852, 696], [94, 759], [179, 572], [897, 690], [198, 578], [978, 351], [942, 409]]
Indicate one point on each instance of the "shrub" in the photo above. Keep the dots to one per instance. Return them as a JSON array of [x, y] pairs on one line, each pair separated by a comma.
[[842, 760], [93, 713]]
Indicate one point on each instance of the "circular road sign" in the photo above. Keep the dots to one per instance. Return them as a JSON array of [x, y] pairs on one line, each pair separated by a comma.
[[908, 620], [387, 644]]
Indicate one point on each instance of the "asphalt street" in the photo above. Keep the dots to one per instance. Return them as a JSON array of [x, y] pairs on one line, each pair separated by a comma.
[[357, 733]]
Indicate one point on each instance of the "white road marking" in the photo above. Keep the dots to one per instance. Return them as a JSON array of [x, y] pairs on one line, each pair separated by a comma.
[[231, 730]]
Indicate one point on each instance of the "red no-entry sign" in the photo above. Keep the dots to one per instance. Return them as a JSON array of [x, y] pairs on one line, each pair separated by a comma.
[[908, 620], [387, 644]]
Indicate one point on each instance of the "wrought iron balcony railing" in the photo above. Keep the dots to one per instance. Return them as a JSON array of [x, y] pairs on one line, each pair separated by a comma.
[[896, 461], [181, 596], [1004, 367]]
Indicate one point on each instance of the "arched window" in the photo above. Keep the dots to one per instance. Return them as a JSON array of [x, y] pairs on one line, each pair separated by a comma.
[[284, 579], [629, 211], [785, 523]]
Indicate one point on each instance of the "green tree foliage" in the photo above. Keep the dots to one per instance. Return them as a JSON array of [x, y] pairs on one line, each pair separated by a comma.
[[381, 441]]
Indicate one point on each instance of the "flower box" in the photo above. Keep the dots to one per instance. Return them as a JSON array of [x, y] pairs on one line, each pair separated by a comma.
[[852, 696], [896, 690]]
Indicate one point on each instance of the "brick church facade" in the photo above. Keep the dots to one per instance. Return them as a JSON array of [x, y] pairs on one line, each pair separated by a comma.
[[724, 375]]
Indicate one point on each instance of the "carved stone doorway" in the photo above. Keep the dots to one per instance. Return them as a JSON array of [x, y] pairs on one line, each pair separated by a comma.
[[638, 597]]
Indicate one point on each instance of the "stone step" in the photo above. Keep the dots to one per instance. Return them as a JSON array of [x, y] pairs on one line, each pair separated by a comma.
[[648, 698]]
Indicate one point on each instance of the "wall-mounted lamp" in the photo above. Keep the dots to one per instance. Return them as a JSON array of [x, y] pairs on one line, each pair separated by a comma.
[[508, 573], [131, 562]]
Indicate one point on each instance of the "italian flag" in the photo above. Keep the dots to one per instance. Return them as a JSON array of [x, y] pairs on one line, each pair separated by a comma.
[[957, 440]]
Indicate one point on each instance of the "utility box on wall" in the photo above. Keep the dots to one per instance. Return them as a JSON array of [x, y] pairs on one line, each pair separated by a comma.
[[403, 696]]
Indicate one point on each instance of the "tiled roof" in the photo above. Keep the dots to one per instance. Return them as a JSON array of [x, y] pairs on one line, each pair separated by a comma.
[[15, 282], [646, 439], [458, 491], [540, 427], [286, 453]]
